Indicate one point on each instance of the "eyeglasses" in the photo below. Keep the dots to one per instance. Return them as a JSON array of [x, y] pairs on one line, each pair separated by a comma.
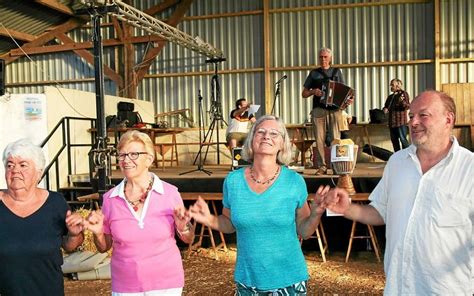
[[131, 155], [273, 133]]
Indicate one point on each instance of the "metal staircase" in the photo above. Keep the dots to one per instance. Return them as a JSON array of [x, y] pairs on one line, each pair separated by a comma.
[[63, 158]]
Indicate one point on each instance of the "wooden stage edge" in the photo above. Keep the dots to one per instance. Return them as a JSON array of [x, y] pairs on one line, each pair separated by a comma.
[[362, 170], [188, 179]]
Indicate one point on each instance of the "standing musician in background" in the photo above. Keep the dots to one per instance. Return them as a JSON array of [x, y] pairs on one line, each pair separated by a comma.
[[397, 105], [265, 204], [139, 219], [34, 224], [239, 124], [324, 118]]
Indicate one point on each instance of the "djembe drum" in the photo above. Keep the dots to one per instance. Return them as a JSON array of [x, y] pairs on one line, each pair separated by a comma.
[[343, 160]]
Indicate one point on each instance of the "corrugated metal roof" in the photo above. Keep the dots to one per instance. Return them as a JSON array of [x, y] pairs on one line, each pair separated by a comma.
[[28, 17]]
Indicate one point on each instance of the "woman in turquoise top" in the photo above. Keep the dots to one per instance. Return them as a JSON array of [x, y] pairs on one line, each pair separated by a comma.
[[265, 204]]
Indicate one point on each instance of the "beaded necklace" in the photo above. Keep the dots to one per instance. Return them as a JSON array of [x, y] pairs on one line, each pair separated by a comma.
[[142, 199], [263, 182]]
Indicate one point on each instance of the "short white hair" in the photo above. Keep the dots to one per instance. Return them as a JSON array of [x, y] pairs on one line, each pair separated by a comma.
[[325, 49], [25, 149]]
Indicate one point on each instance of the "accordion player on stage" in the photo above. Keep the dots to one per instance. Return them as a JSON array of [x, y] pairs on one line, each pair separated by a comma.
[[325, 84], [336, 94]]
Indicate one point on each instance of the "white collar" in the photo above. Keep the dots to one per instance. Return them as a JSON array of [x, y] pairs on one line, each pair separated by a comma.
[[454, 147], [157, 186]]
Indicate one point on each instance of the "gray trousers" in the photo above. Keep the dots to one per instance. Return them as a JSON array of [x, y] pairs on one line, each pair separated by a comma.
[[325, 121]]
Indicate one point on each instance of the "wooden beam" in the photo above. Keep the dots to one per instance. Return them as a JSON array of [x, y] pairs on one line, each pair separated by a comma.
[[267, 57], [54, 4], [84, 45], [150, 56], [346, 6], [90, 59], [70, 24], [160, 7], [7, 32], [129, 63], [437, 45], [118, 28]]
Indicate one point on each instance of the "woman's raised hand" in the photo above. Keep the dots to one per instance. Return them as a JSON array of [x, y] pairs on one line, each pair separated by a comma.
[[181, 217], [95, 222], [317, 204], [199, 211], [74, 223]]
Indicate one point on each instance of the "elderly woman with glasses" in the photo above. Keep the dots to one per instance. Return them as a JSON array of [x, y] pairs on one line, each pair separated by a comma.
[[34, 224], [265, 204], [139, 219]]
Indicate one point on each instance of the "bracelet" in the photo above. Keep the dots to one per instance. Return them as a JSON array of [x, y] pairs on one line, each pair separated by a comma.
[[74, 236], [186, 229]]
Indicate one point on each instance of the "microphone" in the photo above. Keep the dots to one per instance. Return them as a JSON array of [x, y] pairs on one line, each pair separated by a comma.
[[215, 60], [199, 95], [282, 78]]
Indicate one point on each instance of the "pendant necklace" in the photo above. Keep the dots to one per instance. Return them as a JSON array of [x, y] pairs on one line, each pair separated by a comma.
[[142, 199], [263, 182]]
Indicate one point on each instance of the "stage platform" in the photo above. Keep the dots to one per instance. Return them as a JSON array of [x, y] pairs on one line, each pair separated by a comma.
[[365, 177]]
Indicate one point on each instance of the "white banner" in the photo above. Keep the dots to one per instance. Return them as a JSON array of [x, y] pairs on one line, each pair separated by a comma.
[[22, 116]]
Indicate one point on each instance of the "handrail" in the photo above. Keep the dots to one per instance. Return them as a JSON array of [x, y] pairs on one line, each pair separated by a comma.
[[65, 126]]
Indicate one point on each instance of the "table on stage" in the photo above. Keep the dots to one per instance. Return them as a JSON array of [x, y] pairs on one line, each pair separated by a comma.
[[299, 137]]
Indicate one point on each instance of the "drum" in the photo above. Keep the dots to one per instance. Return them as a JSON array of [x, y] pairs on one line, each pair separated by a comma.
[[336, 94], [343, 158]]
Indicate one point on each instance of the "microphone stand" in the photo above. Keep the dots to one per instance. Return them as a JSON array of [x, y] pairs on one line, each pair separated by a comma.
[[200, 166], [277, 95]]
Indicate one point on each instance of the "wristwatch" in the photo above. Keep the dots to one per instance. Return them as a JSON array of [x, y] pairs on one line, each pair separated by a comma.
[[186, 229]]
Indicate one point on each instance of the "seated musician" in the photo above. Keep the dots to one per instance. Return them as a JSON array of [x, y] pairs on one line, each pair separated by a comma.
[[238, 124]]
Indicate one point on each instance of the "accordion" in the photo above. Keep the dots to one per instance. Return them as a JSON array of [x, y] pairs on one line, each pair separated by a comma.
[[336, 94]]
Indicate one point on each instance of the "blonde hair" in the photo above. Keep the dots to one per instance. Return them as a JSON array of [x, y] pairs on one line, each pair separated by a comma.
[[283, 156], [136, 136], [398, 83]]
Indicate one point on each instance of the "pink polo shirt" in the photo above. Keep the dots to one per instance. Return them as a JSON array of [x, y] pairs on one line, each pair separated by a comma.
[[145, 256]]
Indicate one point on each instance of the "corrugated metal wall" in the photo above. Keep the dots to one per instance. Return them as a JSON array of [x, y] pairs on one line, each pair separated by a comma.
[[387, 35], [357, 36], [457, 40]]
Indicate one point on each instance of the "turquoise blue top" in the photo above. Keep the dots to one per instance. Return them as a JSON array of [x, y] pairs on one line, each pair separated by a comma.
[[269, 254]]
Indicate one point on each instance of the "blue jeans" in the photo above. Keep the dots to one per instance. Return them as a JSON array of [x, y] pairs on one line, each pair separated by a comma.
[[399, 135]]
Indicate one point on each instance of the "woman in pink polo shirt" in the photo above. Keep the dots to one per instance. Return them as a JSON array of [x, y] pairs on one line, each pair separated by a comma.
[[139, 219]]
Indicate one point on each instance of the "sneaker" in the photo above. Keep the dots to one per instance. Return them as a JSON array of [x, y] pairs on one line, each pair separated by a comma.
[[321, 170]]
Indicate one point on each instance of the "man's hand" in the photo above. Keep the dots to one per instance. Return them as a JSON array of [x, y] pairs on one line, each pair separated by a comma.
[[337, 200]]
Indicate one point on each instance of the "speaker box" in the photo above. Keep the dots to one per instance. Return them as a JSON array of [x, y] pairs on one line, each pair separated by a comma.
[[378, 116], [2, 77], [131, 117], [125, 106]]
